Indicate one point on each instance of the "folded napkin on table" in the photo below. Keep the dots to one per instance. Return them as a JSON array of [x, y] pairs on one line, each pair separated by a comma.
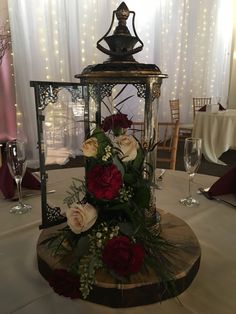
[[203, 108], [221, 108], [224, 185], [7, 183]]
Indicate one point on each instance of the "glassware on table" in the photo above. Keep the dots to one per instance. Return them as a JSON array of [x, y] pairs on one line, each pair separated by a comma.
[[192, 160], [159, 177], [16, 160]]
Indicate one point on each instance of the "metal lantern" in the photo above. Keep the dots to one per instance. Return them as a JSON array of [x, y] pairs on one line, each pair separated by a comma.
[[122, 69], [101, 86]]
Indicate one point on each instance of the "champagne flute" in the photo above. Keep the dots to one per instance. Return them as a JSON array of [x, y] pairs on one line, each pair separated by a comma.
[[16, 162], [192, 160]]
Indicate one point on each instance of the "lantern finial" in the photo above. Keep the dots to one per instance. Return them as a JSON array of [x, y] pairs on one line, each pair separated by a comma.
[[121, 43]]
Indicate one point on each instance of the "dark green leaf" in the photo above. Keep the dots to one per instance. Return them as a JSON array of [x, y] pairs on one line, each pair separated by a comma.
[[138, 161], [120, 92], [119, 165], [126, 228], [130, 178], [82, 246], [142, 196], [122, 101]]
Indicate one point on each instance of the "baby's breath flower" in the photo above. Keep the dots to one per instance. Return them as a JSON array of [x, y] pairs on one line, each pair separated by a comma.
[[125, 194], [107, 154], [98, 235], [107, 148], [99, 243]]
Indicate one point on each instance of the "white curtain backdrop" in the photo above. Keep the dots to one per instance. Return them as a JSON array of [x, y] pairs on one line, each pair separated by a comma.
[[55, 39]]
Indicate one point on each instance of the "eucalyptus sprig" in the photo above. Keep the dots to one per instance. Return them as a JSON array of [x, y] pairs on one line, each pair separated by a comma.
[[88, 264], [76, 193]]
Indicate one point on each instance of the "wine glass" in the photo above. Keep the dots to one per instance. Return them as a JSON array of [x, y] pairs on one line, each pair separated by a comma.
[[16, 162], [192, 160], [159, 177]]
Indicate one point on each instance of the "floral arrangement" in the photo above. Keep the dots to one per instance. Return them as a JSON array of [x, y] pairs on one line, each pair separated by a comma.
[[111, 221]]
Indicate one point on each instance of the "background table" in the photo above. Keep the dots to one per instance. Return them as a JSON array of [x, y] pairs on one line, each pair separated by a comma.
[[218, 133], [24, 291]]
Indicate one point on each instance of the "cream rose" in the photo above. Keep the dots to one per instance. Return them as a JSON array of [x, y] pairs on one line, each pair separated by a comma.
[[90, 147], [128, 145], [81, 217]]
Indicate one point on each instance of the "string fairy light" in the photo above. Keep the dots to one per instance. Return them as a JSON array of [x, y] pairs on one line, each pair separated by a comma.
[[177, 46]]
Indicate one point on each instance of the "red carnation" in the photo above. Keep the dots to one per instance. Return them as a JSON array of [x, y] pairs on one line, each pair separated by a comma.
[[104, 182], [116, 122], [122, 256], [65, 283]]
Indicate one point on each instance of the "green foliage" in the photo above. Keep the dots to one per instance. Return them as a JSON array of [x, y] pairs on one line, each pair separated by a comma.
[[87, 265], [142, 194], [123, 215], [76, 193], [119, 165], [103, 142], [138, 161], [61, 243]]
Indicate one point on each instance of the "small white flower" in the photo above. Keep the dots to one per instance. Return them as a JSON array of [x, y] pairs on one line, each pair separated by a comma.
[[98, 235], [99, 243], [108, 148]]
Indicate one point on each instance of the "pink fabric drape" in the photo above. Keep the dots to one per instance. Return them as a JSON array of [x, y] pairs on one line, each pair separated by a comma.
[[7, 100]]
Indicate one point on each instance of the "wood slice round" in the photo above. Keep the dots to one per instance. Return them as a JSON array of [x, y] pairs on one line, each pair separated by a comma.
[[142, 288]]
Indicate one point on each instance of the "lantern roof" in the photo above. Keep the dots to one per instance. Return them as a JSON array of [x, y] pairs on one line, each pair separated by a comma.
[[122, 45]]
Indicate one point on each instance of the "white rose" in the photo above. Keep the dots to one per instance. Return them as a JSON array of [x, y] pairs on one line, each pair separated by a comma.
[[81, 217], [90, 147], [128, 145]]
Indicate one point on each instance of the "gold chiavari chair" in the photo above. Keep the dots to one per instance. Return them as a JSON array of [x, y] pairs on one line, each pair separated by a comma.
[[168, 133], [185, 129], [199, 102]]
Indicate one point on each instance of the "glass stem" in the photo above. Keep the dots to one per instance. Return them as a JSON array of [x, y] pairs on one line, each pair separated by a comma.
[[191, 176], [18, 180]]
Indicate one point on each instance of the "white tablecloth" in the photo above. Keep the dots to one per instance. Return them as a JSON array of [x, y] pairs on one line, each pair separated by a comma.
[[24, 291], [218, 133]]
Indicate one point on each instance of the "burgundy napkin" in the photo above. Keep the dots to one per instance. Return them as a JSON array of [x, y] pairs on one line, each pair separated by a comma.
[[30, 181], [7, 183], [225, 185], [221, 108], [202, 108]]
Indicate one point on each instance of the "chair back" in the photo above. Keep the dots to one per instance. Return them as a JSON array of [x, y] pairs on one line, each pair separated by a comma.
[[199, 103], [168, 133], [174, 110]]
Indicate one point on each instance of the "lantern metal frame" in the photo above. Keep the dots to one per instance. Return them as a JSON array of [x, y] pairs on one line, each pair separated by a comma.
[[47, 93]]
